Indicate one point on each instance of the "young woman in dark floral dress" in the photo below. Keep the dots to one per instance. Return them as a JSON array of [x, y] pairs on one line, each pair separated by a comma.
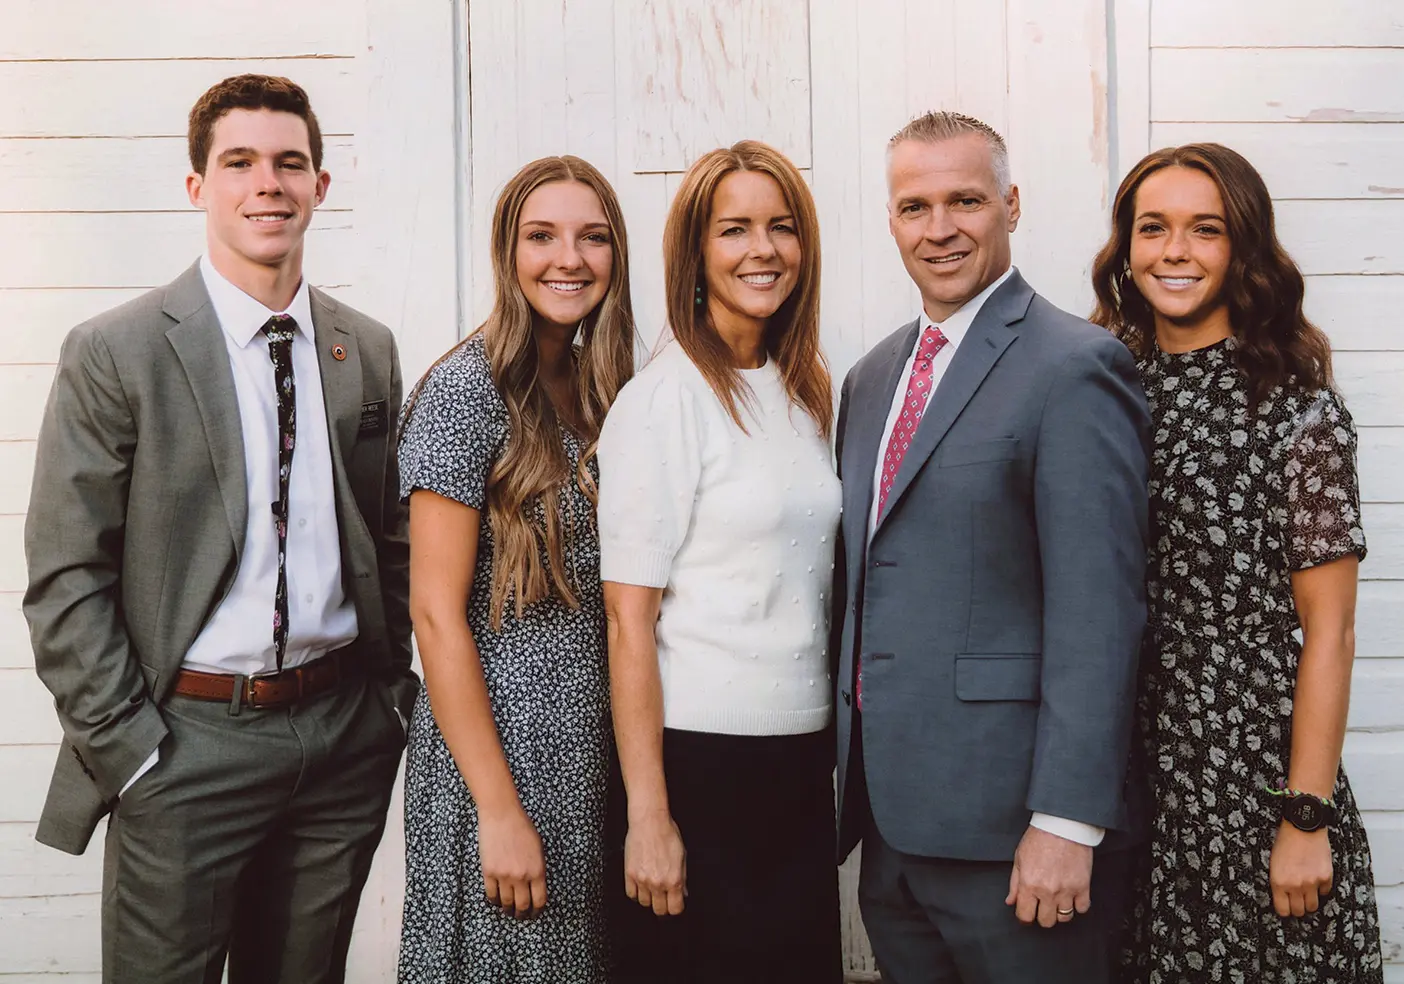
[[1258, 869]]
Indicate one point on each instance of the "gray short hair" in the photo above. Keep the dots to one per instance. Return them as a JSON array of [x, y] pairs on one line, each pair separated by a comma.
[[941, 125]]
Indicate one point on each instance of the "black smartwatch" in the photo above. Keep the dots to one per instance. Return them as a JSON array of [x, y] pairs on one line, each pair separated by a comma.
[[1307, 813]]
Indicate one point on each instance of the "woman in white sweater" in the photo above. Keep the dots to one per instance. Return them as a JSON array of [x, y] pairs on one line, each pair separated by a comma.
[[718, 510]]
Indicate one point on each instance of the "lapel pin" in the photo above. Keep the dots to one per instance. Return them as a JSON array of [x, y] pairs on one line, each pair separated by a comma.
[[339, 353]]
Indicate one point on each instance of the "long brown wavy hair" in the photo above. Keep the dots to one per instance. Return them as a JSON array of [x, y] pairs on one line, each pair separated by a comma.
[[523, 501], [1275, 343], [792, 332]]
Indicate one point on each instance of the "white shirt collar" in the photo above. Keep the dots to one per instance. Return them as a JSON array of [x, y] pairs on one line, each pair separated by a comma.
[[241, 316], [955, 327]]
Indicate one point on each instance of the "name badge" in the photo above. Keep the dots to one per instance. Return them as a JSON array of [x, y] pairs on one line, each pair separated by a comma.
[[374, 418]]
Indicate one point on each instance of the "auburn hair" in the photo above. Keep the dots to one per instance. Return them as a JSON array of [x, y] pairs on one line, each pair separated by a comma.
[[248, 92], [1276, 345], [792, 332], [524, 504]]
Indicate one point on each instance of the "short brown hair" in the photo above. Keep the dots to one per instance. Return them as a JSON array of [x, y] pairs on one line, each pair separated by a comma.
[[940, 125], [249, 92]]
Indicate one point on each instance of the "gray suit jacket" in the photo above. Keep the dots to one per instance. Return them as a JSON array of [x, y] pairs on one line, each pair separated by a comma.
[[138, 516], [999, 605]]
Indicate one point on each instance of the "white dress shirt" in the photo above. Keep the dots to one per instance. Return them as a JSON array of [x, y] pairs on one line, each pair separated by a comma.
[[955, 328], [238, 638]]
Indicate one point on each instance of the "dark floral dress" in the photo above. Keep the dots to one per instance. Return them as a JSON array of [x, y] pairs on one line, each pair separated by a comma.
[[548, 680], [1241, 496]]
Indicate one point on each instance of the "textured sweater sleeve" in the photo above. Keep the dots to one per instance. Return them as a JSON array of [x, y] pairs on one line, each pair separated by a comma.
[[650, 457]]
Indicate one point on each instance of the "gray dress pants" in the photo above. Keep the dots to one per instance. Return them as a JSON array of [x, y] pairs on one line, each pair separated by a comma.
[[250, 840], [943, 921]]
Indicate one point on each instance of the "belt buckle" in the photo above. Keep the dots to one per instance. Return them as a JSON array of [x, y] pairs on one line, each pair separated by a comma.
[[250, 697]]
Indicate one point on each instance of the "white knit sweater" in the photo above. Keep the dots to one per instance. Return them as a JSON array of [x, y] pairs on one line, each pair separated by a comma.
[[739, 530]]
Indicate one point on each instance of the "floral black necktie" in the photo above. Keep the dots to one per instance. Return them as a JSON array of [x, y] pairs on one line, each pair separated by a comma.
[[280, 330]]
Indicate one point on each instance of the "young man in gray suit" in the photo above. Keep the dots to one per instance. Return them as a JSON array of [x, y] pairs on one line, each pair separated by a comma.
[[994, 463], [218, 581]]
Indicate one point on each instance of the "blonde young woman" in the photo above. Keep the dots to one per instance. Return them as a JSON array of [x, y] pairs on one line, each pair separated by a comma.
[[505, 781], [718, 509]]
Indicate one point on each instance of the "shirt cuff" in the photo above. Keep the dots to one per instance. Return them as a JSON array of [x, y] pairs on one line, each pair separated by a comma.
[[1073, 830], [146, 767]]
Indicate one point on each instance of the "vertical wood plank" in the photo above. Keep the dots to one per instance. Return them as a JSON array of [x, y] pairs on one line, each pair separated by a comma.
[[1130, 40], [410, 278], [641, 196], [1058, 58], [495, 135], [406, 226], [889, 298], [981, 62], [838, 177], [590, 128], [540, 77], [625, 22], [931, 55], [646, 198]]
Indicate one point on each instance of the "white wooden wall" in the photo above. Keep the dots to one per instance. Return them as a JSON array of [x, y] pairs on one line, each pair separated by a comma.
[[1313, 94], [93, 103], [429, 107]]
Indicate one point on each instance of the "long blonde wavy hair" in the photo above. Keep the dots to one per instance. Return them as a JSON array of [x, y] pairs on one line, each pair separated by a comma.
[[523, 501], [792, 332]]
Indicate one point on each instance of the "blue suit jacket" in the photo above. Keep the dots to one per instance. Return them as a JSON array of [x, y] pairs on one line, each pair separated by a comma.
[[999, 605]]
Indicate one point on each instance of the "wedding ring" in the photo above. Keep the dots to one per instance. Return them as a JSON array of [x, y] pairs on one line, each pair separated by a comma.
[[1065, 912]]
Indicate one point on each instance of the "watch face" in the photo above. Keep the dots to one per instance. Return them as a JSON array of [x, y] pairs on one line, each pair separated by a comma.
[[1306, 813]]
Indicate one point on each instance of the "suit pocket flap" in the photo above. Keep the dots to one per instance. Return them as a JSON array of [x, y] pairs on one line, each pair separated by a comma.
[[1014, 677], [1003, 449]]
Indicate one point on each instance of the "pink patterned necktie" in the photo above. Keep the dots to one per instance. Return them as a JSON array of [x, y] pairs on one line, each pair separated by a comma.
[[913, 406], [914, 403]]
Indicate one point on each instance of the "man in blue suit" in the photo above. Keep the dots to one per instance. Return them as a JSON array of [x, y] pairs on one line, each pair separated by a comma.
[[994, 463]]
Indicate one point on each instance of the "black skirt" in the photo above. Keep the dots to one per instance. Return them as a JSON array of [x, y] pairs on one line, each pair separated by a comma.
[[757, 820]]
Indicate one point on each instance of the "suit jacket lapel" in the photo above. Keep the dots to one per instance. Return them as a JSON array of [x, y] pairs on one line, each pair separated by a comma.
[[199, 344], [981, 348], [873, 402], [342, 388]]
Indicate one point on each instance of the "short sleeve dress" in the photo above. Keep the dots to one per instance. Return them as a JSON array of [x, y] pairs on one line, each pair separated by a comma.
[[1242, 495], [547, 678]]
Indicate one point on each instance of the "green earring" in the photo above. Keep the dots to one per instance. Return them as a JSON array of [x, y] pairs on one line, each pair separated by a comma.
[[699, 294]]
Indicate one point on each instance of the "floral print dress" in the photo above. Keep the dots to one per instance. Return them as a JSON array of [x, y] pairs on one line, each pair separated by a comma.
[[548, 680], [1241, 496]]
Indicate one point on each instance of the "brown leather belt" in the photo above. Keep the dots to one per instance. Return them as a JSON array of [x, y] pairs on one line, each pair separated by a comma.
[[268, 690]]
